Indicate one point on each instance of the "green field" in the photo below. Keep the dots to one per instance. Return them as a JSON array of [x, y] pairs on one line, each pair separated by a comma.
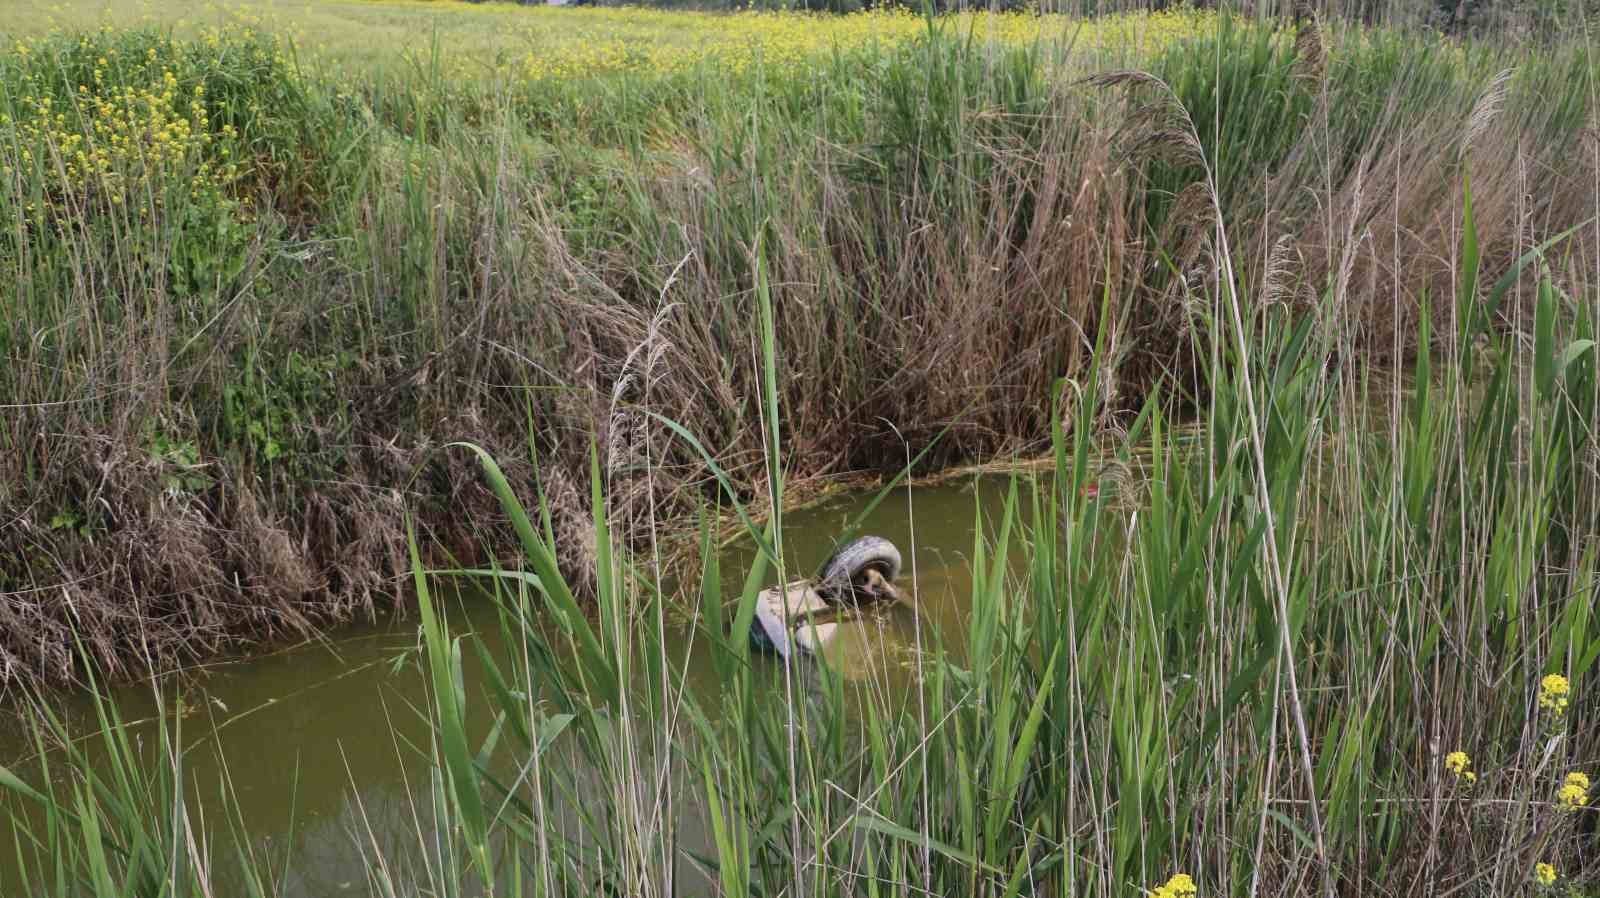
[[473, 42], [1316, 302]]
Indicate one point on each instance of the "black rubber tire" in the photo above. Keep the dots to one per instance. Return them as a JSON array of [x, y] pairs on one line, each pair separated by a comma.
[[838, 577]]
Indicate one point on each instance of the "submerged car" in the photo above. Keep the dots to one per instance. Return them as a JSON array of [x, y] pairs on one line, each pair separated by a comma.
[[802, 616]]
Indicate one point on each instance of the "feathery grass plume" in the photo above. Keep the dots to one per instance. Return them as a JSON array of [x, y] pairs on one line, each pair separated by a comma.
[[1310, 53], [1484, 111], [1277, 276], [626, 441], [1157, 128], [1188, 223]]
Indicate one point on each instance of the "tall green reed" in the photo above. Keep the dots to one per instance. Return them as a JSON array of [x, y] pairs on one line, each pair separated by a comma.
[[1115, 711], [1118, 708]]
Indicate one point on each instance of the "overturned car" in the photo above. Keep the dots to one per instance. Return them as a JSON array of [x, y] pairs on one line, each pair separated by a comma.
[[802, 616]]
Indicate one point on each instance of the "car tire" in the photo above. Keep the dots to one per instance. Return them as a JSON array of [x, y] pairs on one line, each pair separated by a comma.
[[842, 572]]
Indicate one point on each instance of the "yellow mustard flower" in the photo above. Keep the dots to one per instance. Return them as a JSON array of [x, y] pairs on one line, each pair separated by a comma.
[[1460, 765], [1180, 885], [1544, 874], [1554, 694], [1574, 793]]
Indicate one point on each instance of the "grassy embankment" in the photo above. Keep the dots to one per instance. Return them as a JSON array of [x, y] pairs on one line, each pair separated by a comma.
[[1251, 670]]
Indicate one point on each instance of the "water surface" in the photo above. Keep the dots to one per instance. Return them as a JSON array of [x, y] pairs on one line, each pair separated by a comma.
[[323, 747]]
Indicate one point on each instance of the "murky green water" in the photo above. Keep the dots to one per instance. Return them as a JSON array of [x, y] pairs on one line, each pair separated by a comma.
[[322, 745]]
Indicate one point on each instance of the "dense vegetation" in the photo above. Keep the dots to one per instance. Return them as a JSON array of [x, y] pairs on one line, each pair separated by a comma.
[[1338, 639], [249, 298], [1329, 292]]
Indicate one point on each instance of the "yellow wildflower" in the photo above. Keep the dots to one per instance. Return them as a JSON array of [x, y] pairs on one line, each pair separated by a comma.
[[1459, 764], [1574, 793], [1544, 874], [1181, 885], [1554, 694]]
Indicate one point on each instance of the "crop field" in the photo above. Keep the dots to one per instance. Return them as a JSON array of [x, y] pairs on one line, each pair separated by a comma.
[[309, 310], [498, 42]]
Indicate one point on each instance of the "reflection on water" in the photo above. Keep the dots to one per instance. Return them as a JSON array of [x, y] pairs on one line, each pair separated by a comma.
[[324, 747]]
